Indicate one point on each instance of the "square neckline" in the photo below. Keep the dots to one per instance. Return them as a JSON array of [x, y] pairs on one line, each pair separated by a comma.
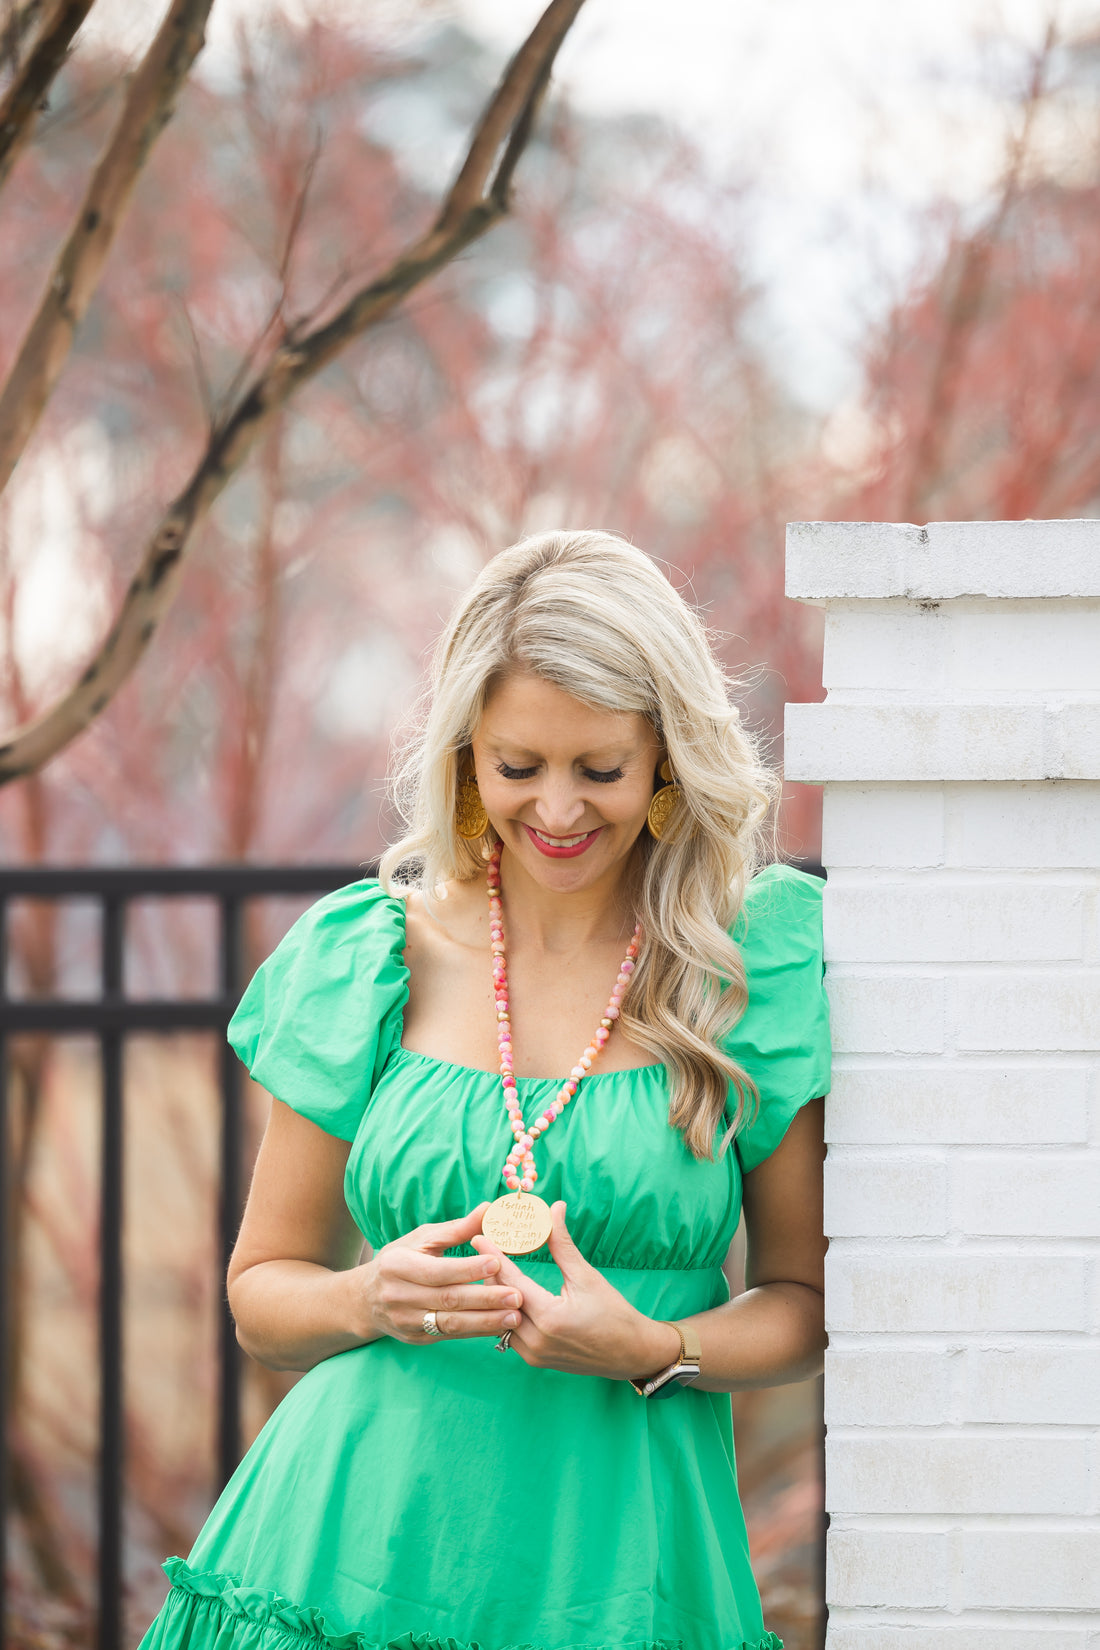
[[482, 1071]]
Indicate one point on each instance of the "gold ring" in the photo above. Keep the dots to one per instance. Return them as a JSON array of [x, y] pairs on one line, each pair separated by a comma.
[[429, 1325]]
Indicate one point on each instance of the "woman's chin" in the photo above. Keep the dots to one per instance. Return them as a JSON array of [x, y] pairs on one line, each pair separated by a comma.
[[565, 873]]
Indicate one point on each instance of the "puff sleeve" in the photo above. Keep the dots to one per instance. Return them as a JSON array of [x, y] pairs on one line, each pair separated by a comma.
[[322, 1014], [782, 1039]]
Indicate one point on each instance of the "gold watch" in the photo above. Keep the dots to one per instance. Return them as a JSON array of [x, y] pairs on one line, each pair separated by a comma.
[[678, 1374]]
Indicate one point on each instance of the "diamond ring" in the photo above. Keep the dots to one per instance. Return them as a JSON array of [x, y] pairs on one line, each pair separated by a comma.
[[429, 1325], [504, 1341]]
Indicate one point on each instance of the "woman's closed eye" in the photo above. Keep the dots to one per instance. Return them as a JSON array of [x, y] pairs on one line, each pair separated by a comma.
[[601, 778]]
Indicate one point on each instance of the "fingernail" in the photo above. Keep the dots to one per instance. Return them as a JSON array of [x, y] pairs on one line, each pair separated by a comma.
[[511, 1321], [489, 1267], [512, 1300]]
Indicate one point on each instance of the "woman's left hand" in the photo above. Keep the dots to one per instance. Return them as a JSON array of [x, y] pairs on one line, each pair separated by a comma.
[[589, 1329]]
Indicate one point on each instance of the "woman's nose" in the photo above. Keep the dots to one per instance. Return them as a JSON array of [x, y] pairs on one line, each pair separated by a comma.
[[559, 809]]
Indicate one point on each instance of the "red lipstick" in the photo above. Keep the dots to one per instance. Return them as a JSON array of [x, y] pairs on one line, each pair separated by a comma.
[[563, 853]]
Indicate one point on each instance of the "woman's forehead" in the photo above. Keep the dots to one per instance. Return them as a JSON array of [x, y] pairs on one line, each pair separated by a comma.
[[529, 708]]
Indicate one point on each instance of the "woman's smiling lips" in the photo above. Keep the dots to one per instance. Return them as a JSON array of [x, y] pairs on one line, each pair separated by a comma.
[[562, 847]]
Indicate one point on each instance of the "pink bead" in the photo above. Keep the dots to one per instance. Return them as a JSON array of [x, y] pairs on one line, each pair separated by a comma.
[[613, 1012]]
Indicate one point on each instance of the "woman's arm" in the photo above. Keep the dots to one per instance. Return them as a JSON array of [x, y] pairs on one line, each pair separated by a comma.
[[774, 1332], [296, 1288]]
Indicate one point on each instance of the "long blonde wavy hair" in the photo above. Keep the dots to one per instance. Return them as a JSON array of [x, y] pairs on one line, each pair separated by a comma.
[[594, 616]]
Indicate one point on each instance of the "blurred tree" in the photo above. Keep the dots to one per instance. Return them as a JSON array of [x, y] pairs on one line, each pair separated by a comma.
[[981, 396], [286, 351], [594, 365]]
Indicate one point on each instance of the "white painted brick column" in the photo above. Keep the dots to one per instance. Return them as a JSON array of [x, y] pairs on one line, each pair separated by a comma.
[[959, 750]]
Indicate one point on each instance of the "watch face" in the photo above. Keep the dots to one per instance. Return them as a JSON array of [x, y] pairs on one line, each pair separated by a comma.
[[667, 1382]]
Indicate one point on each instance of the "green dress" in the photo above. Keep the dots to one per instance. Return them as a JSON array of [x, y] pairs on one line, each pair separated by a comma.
[[444, 1496]]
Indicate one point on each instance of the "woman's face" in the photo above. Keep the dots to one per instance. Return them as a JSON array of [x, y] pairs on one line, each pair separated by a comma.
[[566, 786]]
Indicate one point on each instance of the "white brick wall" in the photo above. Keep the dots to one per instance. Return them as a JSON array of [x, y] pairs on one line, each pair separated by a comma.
[[959, 749]]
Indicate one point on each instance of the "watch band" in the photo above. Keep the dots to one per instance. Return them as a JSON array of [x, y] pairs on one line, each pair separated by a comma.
[[682, 1372]]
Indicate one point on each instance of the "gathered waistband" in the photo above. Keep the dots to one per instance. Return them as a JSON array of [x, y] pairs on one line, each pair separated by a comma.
[[543, 1257]]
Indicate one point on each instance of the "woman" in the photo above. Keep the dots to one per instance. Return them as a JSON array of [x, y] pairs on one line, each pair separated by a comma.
[[583, 809]]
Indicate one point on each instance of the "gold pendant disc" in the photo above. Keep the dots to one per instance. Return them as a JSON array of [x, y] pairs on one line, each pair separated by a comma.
[[518, 1222]]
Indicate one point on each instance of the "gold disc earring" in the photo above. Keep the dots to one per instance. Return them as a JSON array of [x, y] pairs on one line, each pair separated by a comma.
[[664, 803], [471, 820]]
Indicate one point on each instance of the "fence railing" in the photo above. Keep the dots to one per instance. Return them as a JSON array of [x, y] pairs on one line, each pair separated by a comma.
[[110, 1016]]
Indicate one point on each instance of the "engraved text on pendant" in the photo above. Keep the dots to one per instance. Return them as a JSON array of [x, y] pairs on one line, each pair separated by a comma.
[[518, 1223]]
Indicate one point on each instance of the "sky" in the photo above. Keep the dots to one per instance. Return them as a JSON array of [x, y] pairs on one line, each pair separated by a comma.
[[850, 118]]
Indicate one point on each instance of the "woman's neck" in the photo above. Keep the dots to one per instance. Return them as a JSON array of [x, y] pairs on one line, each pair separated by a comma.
[[552, 921]]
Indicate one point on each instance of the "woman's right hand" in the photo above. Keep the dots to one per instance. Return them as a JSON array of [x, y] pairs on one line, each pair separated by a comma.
[[411, 1276]]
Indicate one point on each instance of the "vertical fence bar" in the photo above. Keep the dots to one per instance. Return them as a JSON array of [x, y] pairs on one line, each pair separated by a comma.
[[109, 1630], [6, 1216], [229, 1374]]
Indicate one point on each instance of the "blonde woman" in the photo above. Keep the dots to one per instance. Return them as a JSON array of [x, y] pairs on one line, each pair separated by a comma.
[[539, 1066]]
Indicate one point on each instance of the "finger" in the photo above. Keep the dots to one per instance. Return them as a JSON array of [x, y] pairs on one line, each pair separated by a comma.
[[569, 1259], [520, 1341], [440, 1271], [465, 1298], [446, 1234], [465, 1326], [509, 1271]]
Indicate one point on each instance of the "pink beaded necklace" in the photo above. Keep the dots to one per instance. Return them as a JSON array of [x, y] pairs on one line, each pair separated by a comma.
[[519, 1223]]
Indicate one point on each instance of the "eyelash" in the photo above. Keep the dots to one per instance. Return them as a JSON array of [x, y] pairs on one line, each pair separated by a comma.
[[607, 778]]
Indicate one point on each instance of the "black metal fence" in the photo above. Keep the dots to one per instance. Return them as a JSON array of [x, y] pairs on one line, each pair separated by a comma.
[[110, 1016]]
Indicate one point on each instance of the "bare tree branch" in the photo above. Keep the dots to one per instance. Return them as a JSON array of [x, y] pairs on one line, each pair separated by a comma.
[[23, 98], [149, 103], [19, 22], [478, 199]]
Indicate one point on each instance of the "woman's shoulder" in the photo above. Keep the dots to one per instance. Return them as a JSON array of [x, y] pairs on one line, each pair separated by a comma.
[[780, 916], [360, 917], [323, 1012], [782, 1039]]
